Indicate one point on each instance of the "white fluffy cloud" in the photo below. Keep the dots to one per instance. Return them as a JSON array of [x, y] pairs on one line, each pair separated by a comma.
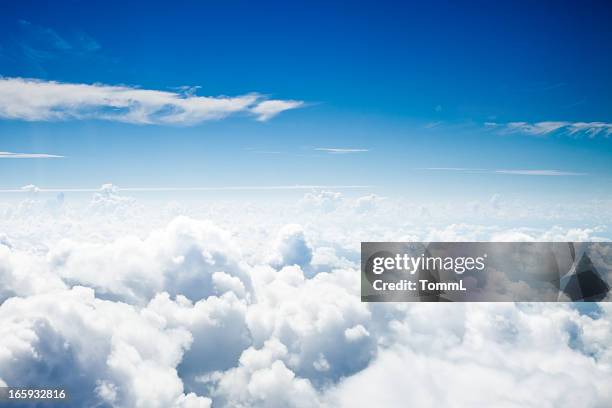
[[108, 200], [525, 356], [104, 353], [311, 318], [39, 100], [262, 380], [291, 247], [22, 274], [218, 326], [368, 203], [323, 200], [180, 259], [132, 306]]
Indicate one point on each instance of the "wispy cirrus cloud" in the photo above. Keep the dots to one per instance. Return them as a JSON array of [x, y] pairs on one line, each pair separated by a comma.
[[11, 155], [544, 128], [39, 100], [268, 109], [334, 150], [520, 172], [453, 169], [32, 49], [541, 172]]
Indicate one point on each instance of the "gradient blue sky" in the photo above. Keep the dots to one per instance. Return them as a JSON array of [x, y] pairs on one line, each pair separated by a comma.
[[417, 85]]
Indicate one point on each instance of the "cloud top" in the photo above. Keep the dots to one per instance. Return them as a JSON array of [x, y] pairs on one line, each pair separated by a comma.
[[230, 305], [39, 100]]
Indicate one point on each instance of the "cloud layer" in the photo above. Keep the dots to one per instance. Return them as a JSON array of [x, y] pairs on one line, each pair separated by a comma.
[[38, 100], [155, 305]]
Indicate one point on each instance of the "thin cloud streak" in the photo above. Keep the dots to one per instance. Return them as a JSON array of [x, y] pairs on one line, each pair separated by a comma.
[[541, 172], [520, 172], [11, 155], [451, 169], [332, 150], [32, 188], [39, 100]]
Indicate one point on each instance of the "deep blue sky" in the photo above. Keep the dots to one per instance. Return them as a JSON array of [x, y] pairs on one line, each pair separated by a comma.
[[374, 76]]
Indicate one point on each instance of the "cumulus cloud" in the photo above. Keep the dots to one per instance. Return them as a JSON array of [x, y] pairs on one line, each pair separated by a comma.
[[263, 380], [180, 259], [291, 247], [22, 274], [216, 324], [356, 333], [482, 357], [30, 189], [104, 353], [39, 100], [323, 199], [311, 318], [368, 203], [108, 200], [158, 310]]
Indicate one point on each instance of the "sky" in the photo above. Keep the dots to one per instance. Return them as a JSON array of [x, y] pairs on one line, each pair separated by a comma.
[[429, 100], [185, 187]]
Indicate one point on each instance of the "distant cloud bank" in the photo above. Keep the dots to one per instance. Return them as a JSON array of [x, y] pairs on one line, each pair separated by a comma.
[[40, 100]]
